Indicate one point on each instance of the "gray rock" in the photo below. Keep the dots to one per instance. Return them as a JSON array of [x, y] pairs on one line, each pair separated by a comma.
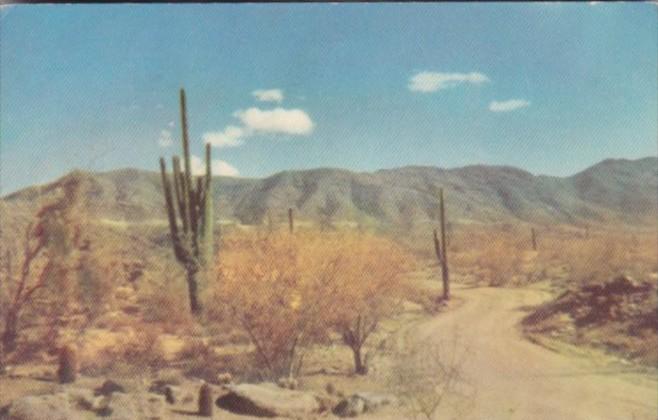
[[269, 400], [288, 383], [360, 403], [351, 406], [109, 387], [85, 399]]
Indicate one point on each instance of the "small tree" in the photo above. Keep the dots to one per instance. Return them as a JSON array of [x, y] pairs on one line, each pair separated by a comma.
[[289, 291], [369, 289], [276, 287], [46, 258]]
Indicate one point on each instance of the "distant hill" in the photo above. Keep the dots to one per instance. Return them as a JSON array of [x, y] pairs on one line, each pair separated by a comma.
[[613, 191]]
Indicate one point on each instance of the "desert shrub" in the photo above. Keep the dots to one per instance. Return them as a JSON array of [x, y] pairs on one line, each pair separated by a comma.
[[603, 255], [163, 300], [130, 356], [429, 377], [501, 260], [369, 288], [273, 286], [288, 291]]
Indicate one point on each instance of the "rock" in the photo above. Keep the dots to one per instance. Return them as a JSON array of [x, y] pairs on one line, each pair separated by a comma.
[[287, 383], [224, 378], [109, 387], [351, 406], [174, 394], [269, 400], [360, 403], [85, 399], [51, 407]]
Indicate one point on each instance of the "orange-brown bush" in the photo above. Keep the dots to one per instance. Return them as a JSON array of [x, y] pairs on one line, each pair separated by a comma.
[[501, 260], [287, 291], [604, 255]]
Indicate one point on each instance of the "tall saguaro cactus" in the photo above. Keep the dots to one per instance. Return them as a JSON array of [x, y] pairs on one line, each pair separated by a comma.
[[191, 206], [441, 249]]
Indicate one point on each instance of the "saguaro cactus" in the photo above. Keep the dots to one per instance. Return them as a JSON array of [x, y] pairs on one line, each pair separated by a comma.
[[441, 249], [68, 366], [291, 221], [533, 234], [205, 401], [191, 203]]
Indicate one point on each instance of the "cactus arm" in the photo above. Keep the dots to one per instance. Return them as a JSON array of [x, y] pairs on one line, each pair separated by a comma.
[[171, 213], [207, 209], [179, 185], [191, 202]]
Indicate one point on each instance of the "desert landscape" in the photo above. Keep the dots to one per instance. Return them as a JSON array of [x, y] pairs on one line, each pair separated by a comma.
[[338, 305], [368, 234]]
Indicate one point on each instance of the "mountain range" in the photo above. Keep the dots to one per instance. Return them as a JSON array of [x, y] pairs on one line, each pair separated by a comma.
[[614, 191]]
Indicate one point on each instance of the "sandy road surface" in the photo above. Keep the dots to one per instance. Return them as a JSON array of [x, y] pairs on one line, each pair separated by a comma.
[[516, 379]]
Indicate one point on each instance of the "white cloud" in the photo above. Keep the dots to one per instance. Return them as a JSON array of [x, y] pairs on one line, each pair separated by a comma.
[[268, 95], [165, 139], [171, 124], [506, 106], [275, 121], [428, 81], [232, 136], [218, 167]]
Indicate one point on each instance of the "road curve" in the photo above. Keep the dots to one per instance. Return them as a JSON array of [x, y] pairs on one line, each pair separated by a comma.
[[516, 379]]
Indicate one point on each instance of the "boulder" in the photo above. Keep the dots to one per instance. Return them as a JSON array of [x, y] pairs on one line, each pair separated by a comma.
[[351, 406], [287, 383], [224, 378], [109, 387], [269, 400], [86, 399], [360, 403]]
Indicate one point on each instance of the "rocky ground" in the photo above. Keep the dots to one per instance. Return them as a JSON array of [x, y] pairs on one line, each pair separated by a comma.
[[511, 377], [619, 315]]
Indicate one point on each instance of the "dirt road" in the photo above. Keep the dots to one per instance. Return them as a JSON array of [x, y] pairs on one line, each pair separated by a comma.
[[516, 379]]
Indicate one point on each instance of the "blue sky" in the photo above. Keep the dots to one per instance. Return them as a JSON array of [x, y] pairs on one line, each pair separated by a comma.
[[551, 88]]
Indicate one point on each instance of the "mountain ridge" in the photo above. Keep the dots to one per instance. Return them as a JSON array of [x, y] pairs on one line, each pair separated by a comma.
[[612, 191]]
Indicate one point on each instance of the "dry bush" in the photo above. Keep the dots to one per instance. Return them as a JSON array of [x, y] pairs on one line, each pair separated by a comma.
[[163, 300], [429, 377], [605, 255], [132, 356], [369, 287], [288, 291], [35, 278], [500, 257], [272, 286]]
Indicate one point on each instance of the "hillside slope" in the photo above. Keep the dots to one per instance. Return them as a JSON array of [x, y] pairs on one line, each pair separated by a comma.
[[613, 191]]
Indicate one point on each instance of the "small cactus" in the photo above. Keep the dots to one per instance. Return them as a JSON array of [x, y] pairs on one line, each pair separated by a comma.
[[67, 370], [205, 401], [330, 388]]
